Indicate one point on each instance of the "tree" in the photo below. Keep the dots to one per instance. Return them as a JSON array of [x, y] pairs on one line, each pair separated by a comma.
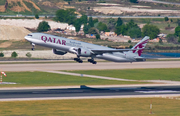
[[36, 16], [14, 55], [178, 22], [92, 30], [134, 32], [119, 22], [66, 16], [28, 55], [77, 25], [88, 7], [130, 46], [43, 26], [131, 24], [111, 23], [97, 36], [130, 29], [179, 39], [171, 20], [91, 23], [177, 31], [86, 28], [102, 27], [121, 30], [118, 30], [160, 41], [95, 21], [134, 1], [1, 54], [129, 41], [150, 30], [166, 18], [84, 19]]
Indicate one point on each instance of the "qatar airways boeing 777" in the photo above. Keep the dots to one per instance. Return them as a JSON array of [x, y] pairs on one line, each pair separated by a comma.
[[61, 46]]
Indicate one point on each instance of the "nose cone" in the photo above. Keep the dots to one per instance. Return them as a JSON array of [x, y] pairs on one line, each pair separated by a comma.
[[28, 37]]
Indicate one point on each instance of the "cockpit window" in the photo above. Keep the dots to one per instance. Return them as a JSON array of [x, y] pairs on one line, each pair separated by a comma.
[[29, 35]]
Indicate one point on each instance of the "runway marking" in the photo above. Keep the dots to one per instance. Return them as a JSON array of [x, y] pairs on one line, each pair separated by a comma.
[[161, 91], [111, 78], [90, 97], [7, 83], [92, 76]]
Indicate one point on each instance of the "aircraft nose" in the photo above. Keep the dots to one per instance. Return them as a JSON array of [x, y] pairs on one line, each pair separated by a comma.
[[28, 37]]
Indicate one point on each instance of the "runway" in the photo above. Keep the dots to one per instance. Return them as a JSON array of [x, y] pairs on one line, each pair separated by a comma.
[[88, 66], [85, 92]]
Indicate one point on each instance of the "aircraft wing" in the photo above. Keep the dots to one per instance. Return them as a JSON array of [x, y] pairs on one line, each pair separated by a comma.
[[112, 50]]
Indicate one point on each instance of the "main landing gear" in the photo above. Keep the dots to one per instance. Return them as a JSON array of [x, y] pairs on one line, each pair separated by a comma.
[[89, 60], [78, 60], [32, 46], [92, 61]]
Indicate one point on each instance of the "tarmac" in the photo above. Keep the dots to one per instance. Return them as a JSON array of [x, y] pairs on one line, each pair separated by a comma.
[[87, 66]]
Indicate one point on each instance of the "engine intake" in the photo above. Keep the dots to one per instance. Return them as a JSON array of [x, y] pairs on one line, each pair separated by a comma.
[[59, 52], [84, 52]]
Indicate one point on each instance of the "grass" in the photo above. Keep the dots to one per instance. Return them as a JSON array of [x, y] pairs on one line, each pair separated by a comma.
[[2, 2], [92, 107], [137, 74], [25, 79]]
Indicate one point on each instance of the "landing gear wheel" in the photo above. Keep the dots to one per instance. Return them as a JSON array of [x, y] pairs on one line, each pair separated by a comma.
[[92, 61], [78, 60]]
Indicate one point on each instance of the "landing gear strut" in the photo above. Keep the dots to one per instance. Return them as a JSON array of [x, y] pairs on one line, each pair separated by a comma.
[[32, 46], [92, 61], [78, 60]]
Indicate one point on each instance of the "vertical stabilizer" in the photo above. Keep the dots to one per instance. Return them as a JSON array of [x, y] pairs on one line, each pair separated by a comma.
[[140, 45]]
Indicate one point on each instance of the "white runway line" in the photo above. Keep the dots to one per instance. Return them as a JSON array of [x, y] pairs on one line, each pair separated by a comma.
[[90, 97], [111, 78], [92, 76], [161, 91]]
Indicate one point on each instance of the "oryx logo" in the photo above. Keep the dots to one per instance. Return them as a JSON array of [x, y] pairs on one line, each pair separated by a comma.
[[139, 46]]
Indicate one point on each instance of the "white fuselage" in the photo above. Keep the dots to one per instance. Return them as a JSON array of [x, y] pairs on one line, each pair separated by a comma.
[[67, 45]]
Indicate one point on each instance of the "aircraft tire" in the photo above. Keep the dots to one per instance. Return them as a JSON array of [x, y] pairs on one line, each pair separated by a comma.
[[94, 62], [80, 61]]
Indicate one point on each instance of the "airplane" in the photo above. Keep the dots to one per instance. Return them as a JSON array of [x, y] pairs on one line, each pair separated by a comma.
[[61, 46]]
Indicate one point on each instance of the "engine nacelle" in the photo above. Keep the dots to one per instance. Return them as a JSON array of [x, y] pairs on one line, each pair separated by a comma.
[[83, 52], [59, 52]]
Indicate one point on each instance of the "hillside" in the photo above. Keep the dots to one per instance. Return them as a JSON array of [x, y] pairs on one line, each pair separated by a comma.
[[18, 6], [110, 7], [12, 32]]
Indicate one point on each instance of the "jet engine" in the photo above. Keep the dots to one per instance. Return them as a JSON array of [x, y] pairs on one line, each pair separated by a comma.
[[84, 52], [59, 52]]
